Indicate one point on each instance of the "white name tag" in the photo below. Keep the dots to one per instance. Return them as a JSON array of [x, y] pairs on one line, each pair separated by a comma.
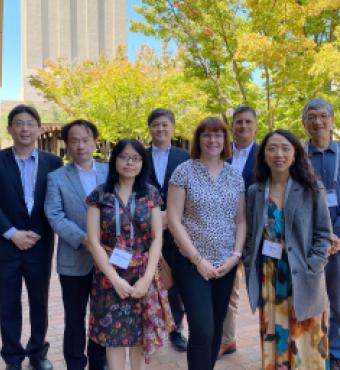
[[272, 249], [332, 199], [120, 258]]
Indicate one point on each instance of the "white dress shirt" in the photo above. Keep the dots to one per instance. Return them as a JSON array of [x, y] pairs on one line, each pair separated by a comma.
[[88, 178], [240, 157], [160, 161]]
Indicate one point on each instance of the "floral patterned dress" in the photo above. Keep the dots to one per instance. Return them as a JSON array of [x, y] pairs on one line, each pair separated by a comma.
[[286, 343], [116, 322]]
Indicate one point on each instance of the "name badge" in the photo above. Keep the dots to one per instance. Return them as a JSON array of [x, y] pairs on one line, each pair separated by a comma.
[[332, 198], [272, 249], [120, 258]]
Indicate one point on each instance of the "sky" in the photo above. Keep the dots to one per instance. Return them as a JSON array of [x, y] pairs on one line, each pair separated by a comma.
[[11, 68]]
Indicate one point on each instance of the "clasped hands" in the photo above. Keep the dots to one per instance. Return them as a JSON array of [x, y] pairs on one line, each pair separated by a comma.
[[25, 239], [125, 290], [208, 271]]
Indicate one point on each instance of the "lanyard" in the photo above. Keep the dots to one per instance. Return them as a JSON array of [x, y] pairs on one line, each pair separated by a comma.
[[266, 200], [132, 212], [337, 162]]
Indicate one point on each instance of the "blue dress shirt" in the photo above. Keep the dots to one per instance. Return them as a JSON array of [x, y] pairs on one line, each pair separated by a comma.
[[28, 168]]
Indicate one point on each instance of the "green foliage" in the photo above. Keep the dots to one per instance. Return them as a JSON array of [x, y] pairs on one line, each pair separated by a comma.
[[293, 45], [118, 95], [4, 135]]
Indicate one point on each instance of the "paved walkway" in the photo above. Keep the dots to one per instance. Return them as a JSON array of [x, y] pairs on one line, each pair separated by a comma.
[[247, 356]]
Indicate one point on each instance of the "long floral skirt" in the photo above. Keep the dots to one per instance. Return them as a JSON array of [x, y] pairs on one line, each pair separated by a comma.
[[286, 343]]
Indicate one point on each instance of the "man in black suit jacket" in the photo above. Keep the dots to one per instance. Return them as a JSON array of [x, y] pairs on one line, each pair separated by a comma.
[[164, 158], [26, 240], [243, 159]]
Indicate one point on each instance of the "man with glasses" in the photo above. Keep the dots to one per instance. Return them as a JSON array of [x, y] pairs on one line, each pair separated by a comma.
[[164, 158], [324, 153], [26, 241], [65, 209]]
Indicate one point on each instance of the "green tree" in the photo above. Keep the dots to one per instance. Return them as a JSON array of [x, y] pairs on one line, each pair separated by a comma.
[[292, 45], [118, 95], [3, 127]]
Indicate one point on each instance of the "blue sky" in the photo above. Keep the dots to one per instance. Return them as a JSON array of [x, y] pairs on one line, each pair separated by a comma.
[[11, 68]]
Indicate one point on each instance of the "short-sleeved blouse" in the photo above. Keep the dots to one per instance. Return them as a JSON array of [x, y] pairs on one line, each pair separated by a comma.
[[210, 208]]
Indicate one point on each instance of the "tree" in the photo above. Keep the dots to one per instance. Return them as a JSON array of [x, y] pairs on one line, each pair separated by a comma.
[[118, 95], [4, 135], [292, 45]]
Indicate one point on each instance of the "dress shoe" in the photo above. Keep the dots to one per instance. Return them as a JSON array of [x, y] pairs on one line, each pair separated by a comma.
[[227, 348], [13, 367], [178, 341], [41, 364], [335, 363]]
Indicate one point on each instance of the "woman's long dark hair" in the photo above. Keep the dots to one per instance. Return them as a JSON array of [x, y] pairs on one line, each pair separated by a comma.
[[140, 184], [300, 170]]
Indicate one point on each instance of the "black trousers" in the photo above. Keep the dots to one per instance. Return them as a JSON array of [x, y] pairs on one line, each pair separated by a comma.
[[206, 305], [174, 297], [76, 292], [36, 275]]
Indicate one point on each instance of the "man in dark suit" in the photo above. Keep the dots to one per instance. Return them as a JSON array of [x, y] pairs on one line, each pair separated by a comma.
[[243, 159], [164, 158], [26, 241]]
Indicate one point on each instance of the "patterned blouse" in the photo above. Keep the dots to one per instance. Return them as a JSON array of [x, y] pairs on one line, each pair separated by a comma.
[[210, 208]]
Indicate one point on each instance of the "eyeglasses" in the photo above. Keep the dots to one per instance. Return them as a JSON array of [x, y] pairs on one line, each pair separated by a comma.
[[210, 136], [314, 117], [28, 124], [134, 159]]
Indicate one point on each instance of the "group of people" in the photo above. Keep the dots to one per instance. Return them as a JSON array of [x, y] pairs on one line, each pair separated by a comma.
[[272, 208]]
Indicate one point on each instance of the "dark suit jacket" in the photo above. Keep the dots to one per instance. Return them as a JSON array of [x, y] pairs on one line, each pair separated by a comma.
[[248, 170], [176, 157], [13, 211]]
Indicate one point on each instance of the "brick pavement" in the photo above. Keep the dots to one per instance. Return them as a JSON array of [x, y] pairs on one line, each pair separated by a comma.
[[247, 356]]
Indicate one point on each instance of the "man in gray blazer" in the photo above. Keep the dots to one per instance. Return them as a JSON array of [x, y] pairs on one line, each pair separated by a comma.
[[65, 209]]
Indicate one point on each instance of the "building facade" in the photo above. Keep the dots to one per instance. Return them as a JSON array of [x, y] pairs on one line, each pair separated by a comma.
[[73, 30]]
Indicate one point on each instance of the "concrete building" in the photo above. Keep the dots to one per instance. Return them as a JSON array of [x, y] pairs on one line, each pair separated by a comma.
[[70, 29]]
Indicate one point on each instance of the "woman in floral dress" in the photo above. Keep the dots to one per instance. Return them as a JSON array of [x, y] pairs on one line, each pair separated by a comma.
[[288, 237], [129, 306]]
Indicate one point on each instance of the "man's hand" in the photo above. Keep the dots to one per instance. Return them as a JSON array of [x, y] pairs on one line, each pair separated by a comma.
[[86, 242], [24, 239], [34, 235], [335, 246]]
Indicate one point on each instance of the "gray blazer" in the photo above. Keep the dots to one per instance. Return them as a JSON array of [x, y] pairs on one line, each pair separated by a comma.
[[65, 209], [307, 236]]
